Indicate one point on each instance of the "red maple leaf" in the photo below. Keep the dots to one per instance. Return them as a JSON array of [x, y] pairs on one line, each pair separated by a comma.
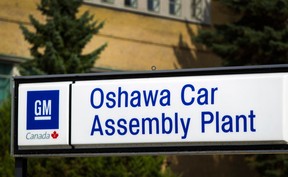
[[54, 135]]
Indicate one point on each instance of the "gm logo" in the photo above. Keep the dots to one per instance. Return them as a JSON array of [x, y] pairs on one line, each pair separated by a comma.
[[43, 109]]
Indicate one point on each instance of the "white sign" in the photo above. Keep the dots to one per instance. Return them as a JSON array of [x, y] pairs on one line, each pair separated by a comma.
[[203, 109], [43, 114]]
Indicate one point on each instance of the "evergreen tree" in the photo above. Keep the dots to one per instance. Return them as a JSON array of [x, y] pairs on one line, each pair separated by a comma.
[[57, 49], [57, 45], [270, 165], [259, 36], [6, 161]]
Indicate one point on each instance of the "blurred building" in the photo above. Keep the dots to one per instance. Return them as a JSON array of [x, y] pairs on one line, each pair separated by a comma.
[[141, 34], [146, 33]]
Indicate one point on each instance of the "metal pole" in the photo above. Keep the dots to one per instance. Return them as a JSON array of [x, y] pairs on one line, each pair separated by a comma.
[[20, 167]]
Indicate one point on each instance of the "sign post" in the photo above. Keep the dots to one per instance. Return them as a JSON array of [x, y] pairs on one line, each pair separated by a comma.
[[217, 110], [20, 167]]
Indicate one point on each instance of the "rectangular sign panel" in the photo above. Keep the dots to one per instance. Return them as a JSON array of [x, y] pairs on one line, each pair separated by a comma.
[[217, 110], [43, 115], [204, 109]]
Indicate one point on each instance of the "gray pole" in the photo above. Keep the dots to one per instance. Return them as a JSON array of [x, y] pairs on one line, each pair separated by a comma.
[[20, 167]]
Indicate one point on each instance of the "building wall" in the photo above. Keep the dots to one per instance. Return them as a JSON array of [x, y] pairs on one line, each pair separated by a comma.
[[14, 12], [135, 41]]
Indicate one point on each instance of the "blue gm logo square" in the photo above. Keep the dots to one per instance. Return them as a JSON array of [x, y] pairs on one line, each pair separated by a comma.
[[43, 109]]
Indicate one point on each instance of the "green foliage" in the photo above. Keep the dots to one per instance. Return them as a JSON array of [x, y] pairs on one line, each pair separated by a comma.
[[57, 45], [259, 36], [140, 166], [270, 165], [6, 161]]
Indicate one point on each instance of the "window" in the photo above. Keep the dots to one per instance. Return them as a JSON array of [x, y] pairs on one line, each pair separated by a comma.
[[197, 9], [175, 7], [5, 73], [130, 3], [153, 5], [108, 1]]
